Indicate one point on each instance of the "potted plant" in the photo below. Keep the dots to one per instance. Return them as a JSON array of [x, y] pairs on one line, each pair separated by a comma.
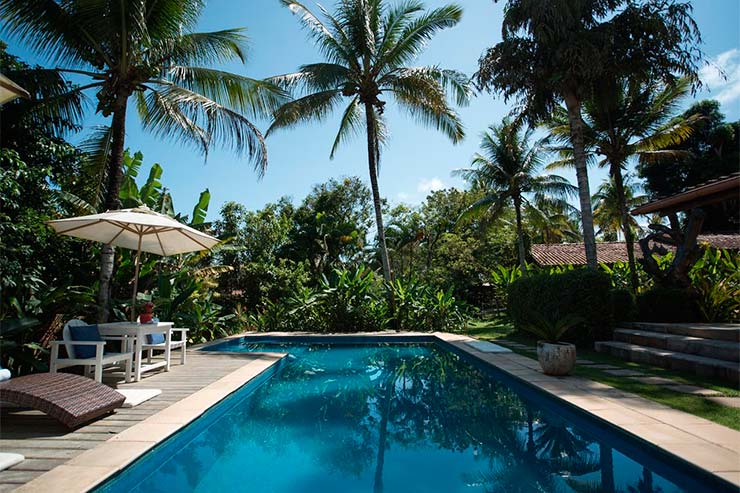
[[147, 313], [556, 357]]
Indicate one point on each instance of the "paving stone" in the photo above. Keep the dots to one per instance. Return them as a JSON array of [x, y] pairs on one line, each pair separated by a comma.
[[605, 367], [693, 390], [585, 362], [624, 373], [726, 401], [655, 380]]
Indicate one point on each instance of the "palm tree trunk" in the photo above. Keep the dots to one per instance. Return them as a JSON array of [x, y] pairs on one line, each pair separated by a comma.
[[519, 231], [112, 202], [584, 192], [372, 158], [616, 173], [383, 435], [606, 465]]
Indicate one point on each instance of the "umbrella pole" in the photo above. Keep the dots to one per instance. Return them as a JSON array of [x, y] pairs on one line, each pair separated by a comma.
[[136, 281]]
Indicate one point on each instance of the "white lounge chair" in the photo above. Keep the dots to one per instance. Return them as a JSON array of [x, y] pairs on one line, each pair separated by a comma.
[[96, 362], [180, 344]]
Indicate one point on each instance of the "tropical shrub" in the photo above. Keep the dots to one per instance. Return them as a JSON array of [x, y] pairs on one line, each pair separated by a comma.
[[419, 307], [715, 278], [583, 293], [501, 278], [619, 274], [357, 300], [551, 327]]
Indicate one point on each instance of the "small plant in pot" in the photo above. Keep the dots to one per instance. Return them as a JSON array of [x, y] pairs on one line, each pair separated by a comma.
[[556, 357]]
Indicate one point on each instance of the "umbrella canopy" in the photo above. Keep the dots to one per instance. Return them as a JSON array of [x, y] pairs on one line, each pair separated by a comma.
[[139, 229], [136, 229], [9, 90]]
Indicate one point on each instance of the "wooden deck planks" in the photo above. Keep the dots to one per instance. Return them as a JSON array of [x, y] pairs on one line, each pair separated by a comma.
[[46, 444]]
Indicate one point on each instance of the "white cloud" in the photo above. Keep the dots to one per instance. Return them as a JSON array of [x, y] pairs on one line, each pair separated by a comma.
[[430, 185], [722, 76]]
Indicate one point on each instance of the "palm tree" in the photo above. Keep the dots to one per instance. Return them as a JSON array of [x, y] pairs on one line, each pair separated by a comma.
[[145, 50], [556, 51], [367, 45], [610, 201], [507, 171], [551, 220], [623, 120]]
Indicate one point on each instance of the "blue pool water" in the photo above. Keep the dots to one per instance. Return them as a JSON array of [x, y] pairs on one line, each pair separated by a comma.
[[411, 418]]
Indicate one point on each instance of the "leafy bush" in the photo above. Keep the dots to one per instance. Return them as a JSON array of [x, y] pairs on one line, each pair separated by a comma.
[[357, 301], [662, 304], [501, 278], [582, 293], [623, 305], [552, 327], [715, 278], [619, 273], [420, 307]]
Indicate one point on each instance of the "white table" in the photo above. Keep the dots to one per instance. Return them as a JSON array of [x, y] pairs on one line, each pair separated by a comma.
[[137, 333]]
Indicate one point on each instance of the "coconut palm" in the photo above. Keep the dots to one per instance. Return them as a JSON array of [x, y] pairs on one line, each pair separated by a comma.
[[507, 171], [610, 201], [549, 220], [146, 51], [556, 51], [366, 45], [621, 121]]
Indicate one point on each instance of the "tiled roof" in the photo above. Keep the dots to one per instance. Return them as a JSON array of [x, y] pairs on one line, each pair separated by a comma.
[[610, 252]]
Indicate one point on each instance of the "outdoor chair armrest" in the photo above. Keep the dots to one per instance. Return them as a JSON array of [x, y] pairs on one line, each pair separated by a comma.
[[78, 343], [179, 330]]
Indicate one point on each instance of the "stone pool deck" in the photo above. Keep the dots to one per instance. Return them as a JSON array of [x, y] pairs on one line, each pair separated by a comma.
[[70, 461]]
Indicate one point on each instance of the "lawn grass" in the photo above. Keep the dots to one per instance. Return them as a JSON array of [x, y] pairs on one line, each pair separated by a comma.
[[494, 329]]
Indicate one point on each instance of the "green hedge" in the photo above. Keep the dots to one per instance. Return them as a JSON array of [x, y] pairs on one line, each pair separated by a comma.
[[623, 305], [585, 293], [667, 305]]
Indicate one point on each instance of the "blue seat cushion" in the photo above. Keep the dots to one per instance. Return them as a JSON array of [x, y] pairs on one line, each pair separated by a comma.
[[84, 333], [155, 338]]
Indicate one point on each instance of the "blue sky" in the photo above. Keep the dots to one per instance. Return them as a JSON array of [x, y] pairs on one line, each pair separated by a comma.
[[416, 160]]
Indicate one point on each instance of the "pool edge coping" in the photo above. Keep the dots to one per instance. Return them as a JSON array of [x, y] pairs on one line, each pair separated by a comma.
[[600, 401]]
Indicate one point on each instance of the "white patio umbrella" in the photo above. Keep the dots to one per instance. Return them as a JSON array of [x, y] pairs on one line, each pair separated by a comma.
[[139, 229], [9, 90]]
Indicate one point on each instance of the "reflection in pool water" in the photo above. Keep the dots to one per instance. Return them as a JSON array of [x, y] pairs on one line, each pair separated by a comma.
[[385, 418]]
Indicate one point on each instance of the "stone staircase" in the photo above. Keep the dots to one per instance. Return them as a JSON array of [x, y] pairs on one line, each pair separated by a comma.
[[710, 350]]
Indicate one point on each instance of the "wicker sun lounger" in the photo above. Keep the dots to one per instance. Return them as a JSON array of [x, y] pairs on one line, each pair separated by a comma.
[[71, 399]]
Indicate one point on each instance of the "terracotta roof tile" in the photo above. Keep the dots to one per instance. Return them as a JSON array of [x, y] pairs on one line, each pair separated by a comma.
[[610, 252]]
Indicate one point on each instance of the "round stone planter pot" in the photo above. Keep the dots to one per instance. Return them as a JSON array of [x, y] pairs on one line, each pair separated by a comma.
[[557, 358]]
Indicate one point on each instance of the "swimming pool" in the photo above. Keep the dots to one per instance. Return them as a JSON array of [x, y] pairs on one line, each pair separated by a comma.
[[396, 417]]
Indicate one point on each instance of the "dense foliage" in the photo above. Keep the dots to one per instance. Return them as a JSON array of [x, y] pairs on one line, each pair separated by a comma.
[[582, 293]]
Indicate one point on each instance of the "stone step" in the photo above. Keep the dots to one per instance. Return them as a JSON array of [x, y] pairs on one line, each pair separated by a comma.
[[665, 358], [719, 332], [724, 350]]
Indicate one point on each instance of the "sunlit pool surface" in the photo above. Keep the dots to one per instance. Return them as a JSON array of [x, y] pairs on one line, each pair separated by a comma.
[[390, 418]]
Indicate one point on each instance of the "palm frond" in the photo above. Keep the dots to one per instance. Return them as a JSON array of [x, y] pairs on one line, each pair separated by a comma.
[[349, 126], [249, 96], [418, 32], [205, 48], [316, 106], [424, 99], [181, 113]]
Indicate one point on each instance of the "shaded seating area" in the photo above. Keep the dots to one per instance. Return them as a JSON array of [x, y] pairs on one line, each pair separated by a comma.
[[85, 347], [70, 399], [158, 342]]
